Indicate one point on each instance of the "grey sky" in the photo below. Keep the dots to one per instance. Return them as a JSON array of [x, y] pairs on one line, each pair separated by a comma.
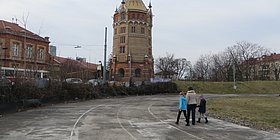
[[185, 28]]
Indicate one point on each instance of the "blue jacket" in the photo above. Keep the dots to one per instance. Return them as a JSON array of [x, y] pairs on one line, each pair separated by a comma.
[[183, 103]]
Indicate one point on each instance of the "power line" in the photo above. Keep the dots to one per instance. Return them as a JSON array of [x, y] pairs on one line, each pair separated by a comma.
[[75, 45]]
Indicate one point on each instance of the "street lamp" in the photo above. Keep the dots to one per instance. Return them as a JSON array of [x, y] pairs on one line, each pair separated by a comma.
[[130, 72], [234, 81]]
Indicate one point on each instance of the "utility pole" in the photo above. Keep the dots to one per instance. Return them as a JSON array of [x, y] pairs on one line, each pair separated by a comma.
[[105, 52], [234, 81]]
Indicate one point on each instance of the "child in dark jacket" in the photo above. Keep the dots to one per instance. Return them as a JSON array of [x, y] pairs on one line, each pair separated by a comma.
[[202, 109]]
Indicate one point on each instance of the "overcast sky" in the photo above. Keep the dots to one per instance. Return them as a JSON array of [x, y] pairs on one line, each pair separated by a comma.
[[185, 28]]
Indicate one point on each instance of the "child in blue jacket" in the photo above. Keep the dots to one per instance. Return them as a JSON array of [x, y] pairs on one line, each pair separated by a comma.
[[182, 106]]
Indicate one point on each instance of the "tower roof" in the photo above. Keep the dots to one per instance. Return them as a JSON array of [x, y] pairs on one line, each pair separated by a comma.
[[135, 5]]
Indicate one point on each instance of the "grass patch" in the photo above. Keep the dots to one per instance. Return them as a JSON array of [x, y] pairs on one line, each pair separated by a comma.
[[259, 112], [256, 87]]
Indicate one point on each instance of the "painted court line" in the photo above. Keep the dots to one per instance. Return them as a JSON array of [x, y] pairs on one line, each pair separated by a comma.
[[123, 126], [73, 129], [149, 109]]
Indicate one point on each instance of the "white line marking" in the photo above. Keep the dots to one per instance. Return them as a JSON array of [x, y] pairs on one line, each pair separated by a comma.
[[73, 129], [123, 126], [149, 109]]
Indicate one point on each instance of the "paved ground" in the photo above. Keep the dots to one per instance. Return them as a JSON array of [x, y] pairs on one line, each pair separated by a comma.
[[132, 118]]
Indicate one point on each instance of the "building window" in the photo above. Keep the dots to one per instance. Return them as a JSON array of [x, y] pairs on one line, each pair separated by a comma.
[[123, 29], [122, 39], [133, 16], [15, 49], [142, 30], [28, 51], [1, 45], [138, 72], [123, 16], [121, 72], [138, 16], [143, 18], [115, 31], [133, 29], [1, 42], [40, 53], [122, 49]]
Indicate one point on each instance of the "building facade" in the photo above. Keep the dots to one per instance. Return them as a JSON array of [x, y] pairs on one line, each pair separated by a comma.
[[132, 57], [266, 67], [22, 53]]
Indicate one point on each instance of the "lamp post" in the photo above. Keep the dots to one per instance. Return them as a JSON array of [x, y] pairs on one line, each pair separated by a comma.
[[105, 53], [130, 74], [234, 81]]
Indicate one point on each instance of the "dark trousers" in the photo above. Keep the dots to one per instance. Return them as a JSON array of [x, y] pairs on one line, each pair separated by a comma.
[[179, 114], [191, 108]]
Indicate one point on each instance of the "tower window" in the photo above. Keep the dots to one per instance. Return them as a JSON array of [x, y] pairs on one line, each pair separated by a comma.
[[142, 30], [123, 29], [133, 29], [138, 16], [123, 16], [137, 72], [122, 49], [133, 16], [122, 39], [121, 72]]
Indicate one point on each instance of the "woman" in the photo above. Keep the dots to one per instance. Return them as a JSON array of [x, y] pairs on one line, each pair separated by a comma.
[[182, 106], [192, 102]]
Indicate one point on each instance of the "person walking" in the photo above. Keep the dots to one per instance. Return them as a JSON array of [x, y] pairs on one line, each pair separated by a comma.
[[182, 106], [202, 109], [192, 103]]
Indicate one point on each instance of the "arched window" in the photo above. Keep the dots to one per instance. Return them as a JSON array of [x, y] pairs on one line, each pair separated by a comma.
[[138, 72], [123, 16], [121, 72]]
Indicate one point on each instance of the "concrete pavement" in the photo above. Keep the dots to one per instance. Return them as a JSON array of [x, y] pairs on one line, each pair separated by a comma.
[[131, 118]]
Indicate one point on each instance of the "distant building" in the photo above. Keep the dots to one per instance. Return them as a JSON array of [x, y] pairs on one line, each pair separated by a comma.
[[52, 50], [22, 53], [71, 68], [132, 57], [266, 67]]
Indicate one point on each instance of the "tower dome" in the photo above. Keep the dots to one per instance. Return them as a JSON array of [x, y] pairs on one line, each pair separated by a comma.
[[135, 5]]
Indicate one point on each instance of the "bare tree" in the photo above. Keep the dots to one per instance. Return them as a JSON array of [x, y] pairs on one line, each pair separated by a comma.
[[276, 70], [241, 53], [202, 67], [220, 67], [181, 67], [165, 65]]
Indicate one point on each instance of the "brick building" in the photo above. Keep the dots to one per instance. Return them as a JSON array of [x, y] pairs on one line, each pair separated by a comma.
[[79, 68], [132, 57], [22, 53], [267, 67]]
